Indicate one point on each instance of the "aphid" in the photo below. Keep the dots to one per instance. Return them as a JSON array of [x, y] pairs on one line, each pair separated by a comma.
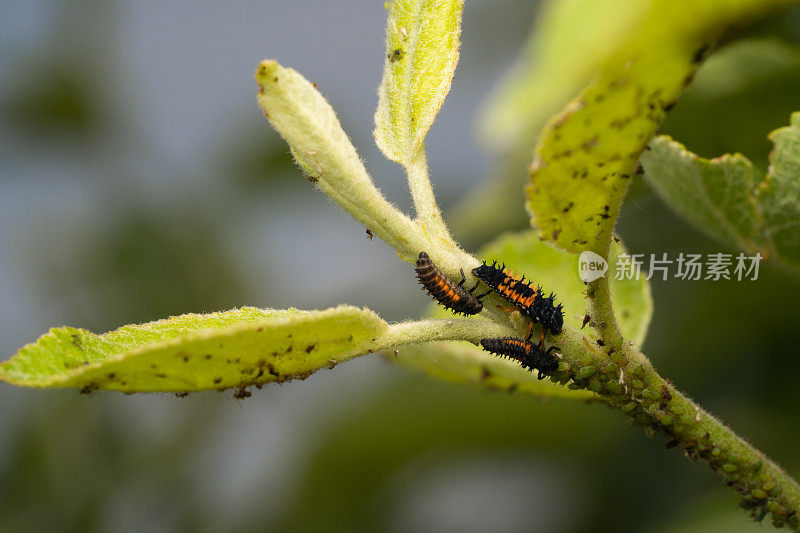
[[531, 356], [241, 393], [395, 55], [529, 300], [448, 293]]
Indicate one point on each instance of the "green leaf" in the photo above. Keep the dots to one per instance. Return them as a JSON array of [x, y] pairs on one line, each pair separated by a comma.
[[297, 110], [716, 195], [779, 194], [569, 41], [587, 155], [557, 271], [731, 200], [191, 352], [422, 40], [743, 90]]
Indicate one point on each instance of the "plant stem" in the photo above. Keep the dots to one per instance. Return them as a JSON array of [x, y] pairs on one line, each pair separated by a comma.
[[653, 402], [415, 332], [632, 385], [601, 312], [428, 212]]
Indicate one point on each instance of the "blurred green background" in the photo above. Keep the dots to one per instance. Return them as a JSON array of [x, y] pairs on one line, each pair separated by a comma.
[[138, 179]]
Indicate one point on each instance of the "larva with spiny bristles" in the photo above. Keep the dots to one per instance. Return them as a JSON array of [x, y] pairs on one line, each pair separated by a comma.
[[529, 300], [531, 356]]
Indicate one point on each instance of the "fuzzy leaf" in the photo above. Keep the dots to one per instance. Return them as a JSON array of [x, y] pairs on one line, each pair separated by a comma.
[[557, 271], [191, 352], [422, 41], [296, 109], [587, 155], [731, 200]]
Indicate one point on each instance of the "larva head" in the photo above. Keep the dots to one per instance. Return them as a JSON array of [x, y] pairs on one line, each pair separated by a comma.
[[423, 259], [489, 274]]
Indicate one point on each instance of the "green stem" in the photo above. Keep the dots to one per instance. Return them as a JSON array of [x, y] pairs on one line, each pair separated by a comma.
[[653, 402], [428, 212], [601, 312], [416, 332]]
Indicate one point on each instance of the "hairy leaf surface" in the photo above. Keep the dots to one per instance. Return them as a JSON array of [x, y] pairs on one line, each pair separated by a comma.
[[192, 352]]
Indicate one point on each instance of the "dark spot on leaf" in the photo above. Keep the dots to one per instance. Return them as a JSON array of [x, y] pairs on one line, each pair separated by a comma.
[[700, 53], [217, 381], [289, 349], [241, 394], [112, 375], [161, 375], [310, 348], [395, 55], [208, 356], [600, 342]]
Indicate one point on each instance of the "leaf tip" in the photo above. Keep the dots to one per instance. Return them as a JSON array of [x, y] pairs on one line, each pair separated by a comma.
[[266, 71]]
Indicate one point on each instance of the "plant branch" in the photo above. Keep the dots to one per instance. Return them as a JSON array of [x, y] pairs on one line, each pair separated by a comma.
[[428, 212], [601, 312], [653, 402]]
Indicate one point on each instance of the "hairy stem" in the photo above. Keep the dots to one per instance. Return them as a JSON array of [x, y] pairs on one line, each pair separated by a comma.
[[633, 386], [601, 312], [428, 212], [415, 332]]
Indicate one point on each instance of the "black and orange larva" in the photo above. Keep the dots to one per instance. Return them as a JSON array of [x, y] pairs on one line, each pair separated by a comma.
[[531, 356], [529, 300], [448, 293]]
